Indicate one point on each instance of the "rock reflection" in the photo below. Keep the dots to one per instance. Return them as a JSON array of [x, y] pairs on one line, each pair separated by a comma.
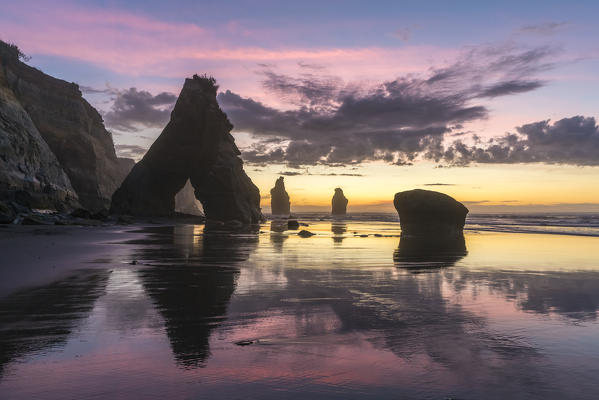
[[574, 295], [43, 317], [425, 253], [338, 228], [277, 237], [191, 282]]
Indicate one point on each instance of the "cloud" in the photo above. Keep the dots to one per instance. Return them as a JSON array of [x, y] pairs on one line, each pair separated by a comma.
[[291, 173], [130, 151], [439, 184], [546, 28], [572, 141], [336, 123], [133, 109], [511, 87], [296, 173], [92, 90]]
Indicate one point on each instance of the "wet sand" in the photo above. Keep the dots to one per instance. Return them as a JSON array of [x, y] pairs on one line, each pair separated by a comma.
[[274, 315]]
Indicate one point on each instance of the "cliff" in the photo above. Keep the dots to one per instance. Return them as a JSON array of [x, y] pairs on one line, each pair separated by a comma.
[[72, 129], [29, 171]]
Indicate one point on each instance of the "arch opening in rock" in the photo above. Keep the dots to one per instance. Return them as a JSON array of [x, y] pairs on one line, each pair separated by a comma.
[[186, 202]]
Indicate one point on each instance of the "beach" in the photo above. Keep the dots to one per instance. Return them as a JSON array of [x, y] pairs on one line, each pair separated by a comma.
[[174, 311]]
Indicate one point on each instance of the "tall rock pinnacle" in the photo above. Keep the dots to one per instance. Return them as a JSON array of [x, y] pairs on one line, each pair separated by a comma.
[[279, 199], [339, 203]]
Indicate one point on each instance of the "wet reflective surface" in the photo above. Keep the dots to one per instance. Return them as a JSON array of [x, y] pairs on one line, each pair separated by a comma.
[[352, 312]]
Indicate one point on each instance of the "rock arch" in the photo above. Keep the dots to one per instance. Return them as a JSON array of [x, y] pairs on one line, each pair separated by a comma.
[[197, 145]]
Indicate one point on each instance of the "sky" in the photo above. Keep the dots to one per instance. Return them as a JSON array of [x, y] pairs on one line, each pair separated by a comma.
[[492, 103]]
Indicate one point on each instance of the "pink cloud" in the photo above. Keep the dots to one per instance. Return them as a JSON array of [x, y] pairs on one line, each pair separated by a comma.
[[137, 45]]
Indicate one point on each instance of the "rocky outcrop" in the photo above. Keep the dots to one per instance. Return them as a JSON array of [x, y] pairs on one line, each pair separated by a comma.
[[29, 172], [427, 213], [339, 203], [279, 199], [197, 145], [70, 126]]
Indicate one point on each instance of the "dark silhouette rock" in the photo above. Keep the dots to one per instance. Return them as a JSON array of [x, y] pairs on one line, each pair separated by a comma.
[[304, 233], [41, 106], [81, 213], [339, 203], [7, 214], [428, 213], [279, 199], [196, 145], [293, 224]]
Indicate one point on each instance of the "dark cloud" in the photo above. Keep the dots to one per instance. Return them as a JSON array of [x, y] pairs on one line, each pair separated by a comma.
[[334, 123], [572, 141], [342, 174], [439, 184], [311, 66], [133, 109], [546, 28], [511, 87], [296, 173], [292, 173], [130, 150]]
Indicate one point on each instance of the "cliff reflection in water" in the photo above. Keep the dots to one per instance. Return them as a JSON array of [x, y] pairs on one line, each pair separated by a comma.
[[191, 280], [42, 318], [429, 252]]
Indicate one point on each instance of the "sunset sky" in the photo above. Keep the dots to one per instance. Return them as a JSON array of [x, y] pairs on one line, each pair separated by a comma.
[[493, 103]]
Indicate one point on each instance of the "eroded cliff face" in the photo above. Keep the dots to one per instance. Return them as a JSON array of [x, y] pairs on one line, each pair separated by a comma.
[[29, 171], [197, 145], [71, 127], [279, 199]]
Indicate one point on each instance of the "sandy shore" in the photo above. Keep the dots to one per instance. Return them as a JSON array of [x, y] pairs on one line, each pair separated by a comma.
[[34, 255]]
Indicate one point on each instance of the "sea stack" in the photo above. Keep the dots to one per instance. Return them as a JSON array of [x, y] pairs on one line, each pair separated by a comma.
[[197, 145], [279, 199], [339, 203], [425, 213]]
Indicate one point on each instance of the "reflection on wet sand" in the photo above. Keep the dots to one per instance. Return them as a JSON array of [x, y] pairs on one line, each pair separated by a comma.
[[338, 228], [425, 253], [191, 281], [277, 235], [43, 317], [328, 319]]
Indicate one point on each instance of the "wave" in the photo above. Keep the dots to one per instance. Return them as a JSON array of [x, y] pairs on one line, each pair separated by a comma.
[[579, 224]]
